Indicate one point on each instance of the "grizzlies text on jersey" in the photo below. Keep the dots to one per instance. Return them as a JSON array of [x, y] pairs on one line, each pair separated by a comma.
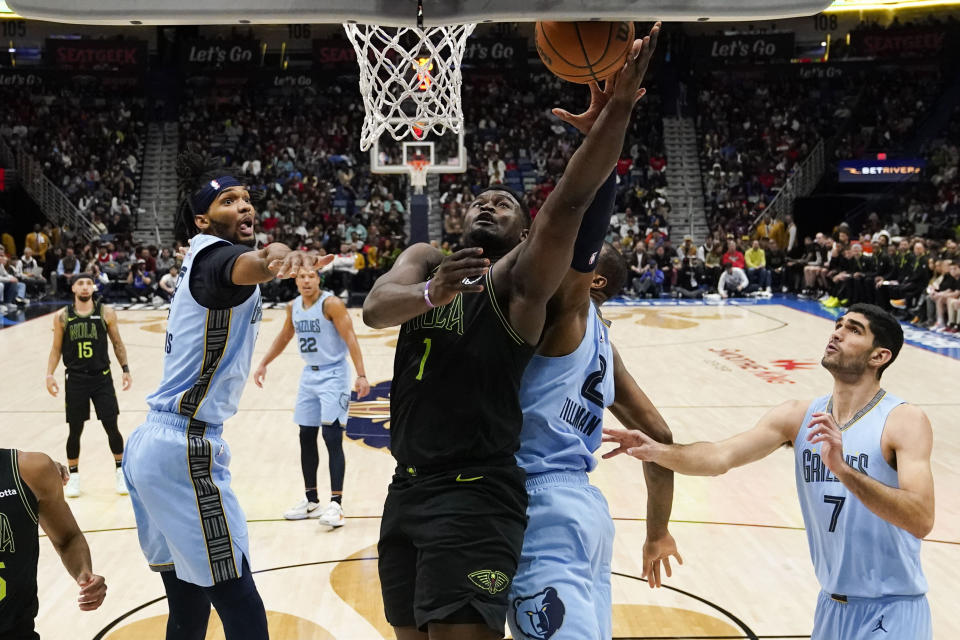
[[855, 552]]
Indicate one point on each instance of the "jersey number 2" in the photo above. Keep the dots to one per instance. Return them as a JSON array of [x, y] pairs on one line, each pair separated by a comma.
[[308, 345], [837, 502], [591, 386]]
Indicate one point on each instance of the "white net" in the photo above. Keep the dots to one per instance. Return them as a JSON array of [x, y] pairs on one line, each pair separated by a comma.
[[409, 79]]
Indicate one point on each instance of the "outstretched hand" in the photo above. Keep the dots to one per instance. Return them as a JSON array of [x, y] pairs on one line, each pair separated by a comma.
[[289, 266], [583, 122], [631, 442], [627, 81]]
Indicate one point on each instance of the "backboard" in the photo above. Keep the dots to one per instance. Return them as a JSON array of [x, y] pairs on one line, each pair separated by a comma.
[[404, 12]]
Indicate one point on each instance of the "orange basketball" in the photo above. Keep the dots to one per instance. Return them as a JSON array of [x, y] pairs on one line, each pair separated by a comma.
[[584, 52]]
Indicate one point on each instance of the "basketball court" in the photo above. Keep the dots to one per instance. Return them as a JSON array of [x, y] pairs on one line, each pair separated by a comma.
[[712, 371]]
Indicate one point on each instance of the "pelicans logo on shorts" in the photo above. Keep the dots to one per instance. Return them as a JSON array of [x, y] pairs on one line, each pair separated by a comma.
[[493, 582], [539, 616], [369, 419]]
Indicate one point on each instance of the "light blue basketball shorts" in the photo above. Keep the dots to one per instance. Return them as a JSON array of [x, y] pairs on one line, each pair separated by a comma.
[[323, 397], [562, 586], [900, 617], [188, 518]]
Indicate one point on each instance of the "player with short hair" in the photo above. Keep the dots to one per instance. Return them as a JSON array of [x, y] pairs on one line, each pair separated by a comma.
[[455, 513], [862, 459], [80, 332], [31, 493], [324, 330], [190, 524]]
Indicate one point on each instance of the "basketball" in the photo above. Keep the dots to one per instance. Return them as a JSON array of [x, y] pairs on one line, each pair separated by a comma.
[[584, 52]]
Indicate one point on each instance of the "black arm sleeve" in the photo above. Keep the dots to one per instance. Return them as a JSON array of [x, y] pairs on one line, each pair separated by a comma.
[[593, 227], [210, 281]]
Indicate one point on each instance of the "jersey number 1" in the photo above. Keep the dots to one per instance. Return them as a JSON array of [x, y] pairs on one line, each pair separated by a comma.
[[837, 502], [3, 584], [423, 360]]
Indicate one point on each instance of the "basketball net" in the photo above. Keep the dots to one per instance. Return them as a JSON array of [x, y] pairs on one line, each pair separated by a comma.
[[418, 175], [409, 77]]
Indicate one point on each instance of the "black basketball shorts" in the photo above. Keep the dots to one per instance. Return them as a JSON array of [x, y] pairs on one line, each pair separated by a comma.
[[450, 543], [81, 388]]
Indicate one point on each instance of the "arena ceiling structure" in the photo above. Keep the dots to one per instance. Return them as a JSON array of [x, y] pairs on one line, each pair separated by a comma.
[[403, 12]]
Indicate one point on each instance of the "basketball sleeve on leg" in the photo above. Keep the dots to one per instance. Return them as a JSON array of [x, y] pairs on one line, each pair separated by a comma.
[[593, 227]]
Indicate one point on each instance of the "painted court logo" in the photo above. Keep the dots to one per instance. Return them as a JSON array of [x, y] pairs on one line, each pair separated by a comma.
[[369, 419], [539, 616], [493, 582]]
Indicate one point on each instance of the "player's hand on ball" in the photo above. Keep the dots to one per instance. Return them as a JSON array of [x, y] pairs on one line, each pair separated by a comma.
[[631, 442], [362, 387], [825, 431], [456, 270], [93, 589], [627, 81], [52, 387], [598, 100], [655, 552]]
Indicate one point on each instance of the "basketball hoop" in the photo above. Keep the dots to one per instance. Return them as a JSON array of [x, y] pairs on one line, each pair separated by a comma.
[[418, 174], [409, 78]]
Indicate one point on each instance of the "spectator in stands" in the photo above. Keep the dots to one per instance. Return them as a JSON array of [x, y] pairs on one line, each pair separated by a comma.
[[912, 277], [713, 262], [756, 262], [67, 267], [38, 242], [139, 282], [733, 282], [776, 260], [168, 284], [11, 285], [165, 260], [733, 256], [32, 274], [691, 280], [648, 278]]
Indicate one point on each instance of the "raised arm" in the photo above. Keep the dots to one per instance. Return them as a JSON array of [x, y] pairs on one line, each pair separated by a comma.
[[908, 437], [276, 347], [275, 260], [777, 427], [402, 293], [55, 351], [544, 257], [119, 350], [336, 312], [43, 477]]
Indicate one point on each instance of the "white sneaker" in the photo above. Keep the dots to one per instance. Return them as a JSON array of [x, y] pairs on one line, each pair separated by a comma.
[[72, 490], [121, 483], [303, 510], [333, 516]]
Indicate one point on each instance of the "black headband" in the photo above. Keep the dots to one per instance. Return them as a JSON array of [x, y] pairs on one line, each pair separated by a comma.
[[204, 197]]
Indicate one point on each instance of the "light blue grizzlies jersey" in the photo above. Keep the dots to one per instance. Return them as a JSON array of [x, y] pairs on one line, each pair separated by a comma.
[[854, 551], [208, 351], [563, 399], [319, 341]]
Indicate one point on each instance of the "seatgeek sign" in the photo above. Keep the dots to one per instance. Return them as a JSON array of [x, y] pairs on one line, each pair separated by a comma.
[[888, 170]]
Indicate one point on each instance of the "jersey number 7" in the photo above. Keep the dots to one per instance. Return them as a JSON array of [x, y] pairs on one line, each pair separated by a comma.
[[837, 502]]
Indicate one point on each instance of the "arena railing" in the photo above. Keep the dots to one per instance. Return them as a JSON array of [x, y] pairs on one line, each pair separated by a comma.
[[800, 183], [56, 206]]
